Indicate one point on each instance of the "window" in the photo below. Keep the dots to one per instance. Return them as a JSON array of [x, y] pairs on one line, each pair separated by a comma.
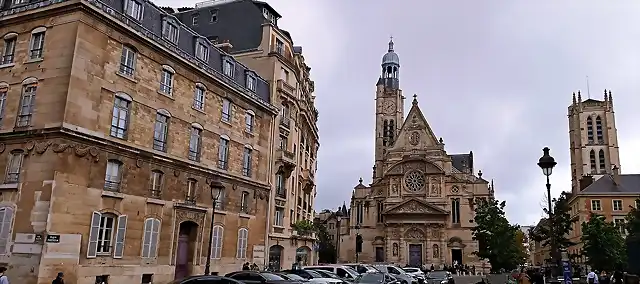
[[248, 121], [595, 205], [127, 61], [161, 131], [157, 180], [221, 200], [246, 162], [194, 20], [36, 46], [244, 202], [592, 161], [251, 82], [359, 213], [6, 223], [589, 129], [27, 104], [120, 116], [284, 141], [637, 203], [166, 80], [279, 47], [280, 186], [192, 187], [620, 225], [202, 50], [226, 110], [113, 175], [228, 68], [603, 163], [133, 9], [170, 31], [223, 153], [216, 248], [455, 210], [198, 98], [214, 16], [3, 101], [380, 211], [284, 75], [599, 129], [9, 50], [195, 143], [101, 235], [243, 235], [617, 205], [150, 238], [14, 167], [279, 217]]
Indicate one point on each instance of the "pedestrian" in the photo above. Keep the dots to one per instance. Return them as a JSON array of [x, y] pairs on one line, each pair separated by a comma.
[[618, 277], [245, 266], [592, 277], [3, 278], [59, 279]]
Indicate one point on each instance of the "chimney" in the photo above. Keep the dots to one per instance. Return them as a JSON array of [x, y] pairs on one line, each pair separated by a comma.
[[616, 175], [585, 182], [225, 46]]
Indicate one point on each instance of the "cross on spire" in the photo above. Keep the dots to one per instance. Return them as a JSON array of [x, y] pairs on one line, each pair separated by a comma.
[[415, 99]]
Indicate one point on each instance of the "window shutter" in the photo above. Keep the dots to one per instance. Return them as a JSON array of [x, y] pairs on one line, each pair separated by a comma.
[[92, 247], [120, 234], [5, 236], [155, 231], [146, 240]]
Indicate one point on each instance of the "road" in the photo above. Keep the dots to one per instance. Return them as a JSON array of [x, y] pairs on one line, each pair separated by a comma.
[[467, 279]]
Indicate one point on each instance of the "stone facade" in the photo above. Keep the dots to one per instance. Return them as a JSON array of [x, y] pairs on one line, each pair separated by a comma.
[[419, 208], [93, 196]]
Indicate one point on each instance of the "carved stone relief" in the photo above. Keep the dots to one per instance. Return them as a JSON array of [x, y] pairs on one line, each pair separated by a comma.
[[394, 186], [187, 215], [414, 139], [435, 187], [414, 233], [40, 147], [413, 207]]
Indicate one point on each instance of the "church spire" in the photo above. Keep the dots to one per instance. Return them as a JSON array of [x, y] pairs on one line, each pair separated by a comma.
[[390, 45], [390, 77]]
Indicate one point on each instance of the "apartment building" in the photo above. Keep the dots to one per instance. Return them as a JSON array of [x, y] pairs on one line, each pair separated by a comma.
[[116, 122], [249, 30]]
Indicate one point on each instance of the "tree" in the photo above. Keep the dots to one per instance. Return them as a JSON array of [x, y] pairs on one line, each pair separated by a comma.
[[553, 233], [521, 239], [326, 248], [632, 224], [602, 244], [497, 239]]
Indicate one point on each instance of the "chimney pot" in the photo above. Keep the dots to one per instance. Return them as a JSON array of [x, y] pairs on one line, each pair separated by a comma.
[[616, 175]]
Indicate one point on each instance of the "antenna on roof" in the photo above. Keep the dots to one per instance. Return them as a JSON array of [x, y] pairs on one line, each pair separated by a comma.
[[588, 91]]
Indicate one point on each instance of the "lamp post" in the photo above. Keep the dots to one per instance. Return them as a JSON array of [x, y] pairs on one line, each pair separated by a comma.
[[338, 220], [216, 188], [546, 163], [358, 243]]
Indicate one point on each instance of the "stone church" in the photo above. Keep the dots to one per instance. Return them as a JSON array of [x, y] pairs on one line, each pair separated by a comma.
[[418, 210]]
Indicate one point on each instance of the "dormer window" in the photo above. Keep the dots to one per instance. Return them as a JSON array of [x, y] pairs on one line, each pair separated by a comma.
[[228, 67], [194, 20], [214, 16], [251, 81], [279, 46], [202, 49], [134, 9], [170, 30]]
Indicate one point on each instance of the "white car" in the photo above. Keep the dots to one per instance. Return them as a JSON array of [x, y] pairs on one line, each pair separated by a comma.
[[343, 271], [414, 271]]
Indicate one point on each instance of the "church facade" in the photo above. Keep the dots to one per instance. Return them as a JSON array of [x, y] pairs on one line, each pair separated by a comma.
[[419, 208]]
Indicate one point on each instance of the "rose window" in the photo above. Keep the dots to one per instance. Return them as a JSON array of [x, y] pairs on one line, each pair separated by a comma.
[[414, 181]]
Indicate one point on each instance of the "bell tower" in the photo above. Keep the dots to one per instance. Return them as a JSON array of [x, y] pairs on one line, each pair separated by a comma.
[[593, 139], [389, 106]]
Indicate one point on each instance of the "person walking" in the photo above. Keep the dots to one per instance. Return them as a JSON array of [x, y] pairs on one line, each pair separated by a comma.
[[59, 279], [592, 277], [3, 278]]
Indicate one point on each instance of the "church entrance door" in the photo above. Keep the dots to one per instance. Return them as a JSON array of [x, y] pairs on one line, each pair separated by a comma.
[[456, 256], [415, 255]]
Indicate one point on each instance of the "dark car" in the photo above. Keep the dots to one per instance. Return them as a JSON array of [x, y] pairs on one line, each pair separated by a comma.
[[257, 277], [291, 277], [440, 277], [304, 273], [375, 278], [206, 279]]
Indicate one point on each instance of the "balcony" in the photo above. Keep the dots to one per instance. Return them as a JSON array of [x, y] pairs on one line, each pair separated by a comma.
[[285, 122], [303, 235], [285, 162], [286, 89], [308, 182]]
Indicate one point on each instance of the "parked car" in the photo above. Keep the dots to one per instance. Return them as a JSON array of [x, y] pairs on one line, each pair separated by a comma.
[[258, 277], [376, 278], [207, 279], [360, 268], [417, 273], [397, 272], [343, 271], [312, 276], [440, 277], [329, 274]]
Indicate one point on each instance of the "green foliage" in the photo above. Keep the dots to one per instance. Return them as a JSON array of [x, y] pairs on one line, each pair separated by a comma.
[[304, 227], [326, 248], [497, 239], [555, 232], [632, 224], [602, 244]]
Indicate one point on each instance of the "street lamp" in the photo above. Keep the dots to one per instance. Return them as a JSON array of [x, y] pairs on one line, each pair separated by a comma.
[[546, 163], [216, 188], [338, 219]]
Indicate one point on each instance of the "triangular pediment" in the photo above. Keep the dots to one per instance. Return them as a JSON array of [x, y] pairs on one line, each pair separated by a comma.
[[415, 132], [415, 206]]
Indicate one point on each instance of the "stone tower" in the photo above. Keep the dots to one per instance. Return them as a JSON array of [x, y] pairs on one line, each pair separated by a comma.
[[389, 107], [593, 138]]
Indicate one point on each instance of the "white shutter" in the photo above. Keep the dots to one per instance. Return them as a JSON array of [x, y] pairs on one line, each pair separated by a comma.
[[244, 243], [92, 247], [216, 247], [155, 232], [146, 239], [120, 234], [5, 229]]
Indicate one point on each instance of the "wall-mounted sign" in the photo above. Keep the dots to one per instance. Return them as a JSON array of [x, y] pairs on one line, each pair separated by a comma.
[[53, 239]]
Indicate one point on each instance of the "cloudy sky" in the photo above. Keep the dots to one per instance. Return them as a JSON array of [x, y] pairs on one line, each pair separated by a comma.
[[492, 77]]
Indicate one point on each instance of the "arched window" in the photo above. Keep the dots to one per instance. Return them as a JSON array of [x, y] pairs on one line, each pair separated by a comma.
[[592, 161], [599, 130], [27, 102], [243, 236], [589, 130], [392, 131], [150, 238], [603, 163], [6, 223], [156, 182], [217, 241], [385, 127]]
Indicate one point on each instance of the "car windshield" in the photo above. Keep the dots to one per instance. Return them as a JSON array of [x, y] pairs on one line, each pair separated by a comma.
[[411, 269], [314, 274], [351, 270], [438, 274], [327, 273], [370, 278], [399, 269], [294, 277], [270, 276]]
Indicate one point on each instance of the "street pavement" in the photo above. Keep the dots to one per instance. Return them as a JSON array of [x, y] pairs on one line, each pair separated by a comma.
[[467, 279]]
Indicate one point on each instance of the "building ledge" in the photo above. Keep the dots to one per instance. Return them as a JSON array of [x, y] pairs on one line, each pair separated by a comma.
[[112, 194]]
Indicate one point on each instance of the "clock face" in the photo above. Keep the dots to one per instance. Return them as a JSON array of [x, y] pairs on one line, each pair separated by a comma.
[[389, 107]]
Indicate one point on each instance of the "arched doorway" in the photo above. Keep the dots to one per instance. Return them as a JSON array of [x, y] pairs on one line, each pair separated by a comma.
[[275, 257], [185, 249], [302, 255]]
